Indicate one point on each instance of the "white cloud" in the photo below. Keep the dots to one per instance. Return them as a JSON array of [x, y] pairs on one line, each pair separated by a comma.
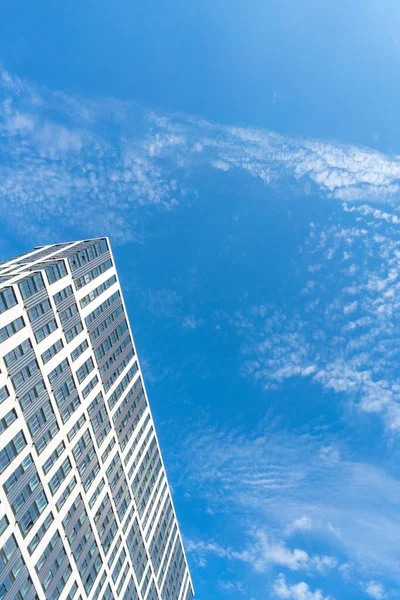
[[116, 162], [339, 331], [263, 552], [304, 523], [375, 590], [269, 479], [298, 591], [230, 586], [162, 302], [190, 322]]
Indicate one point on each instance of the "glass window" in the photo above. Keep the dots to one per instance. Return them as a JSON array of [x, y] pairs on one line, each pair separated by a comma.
[[79, 350], [12, 328], [31, 285], [45, 331], [3, 394], [11, 450], [56, 272], [12, 356], [93, 274], [85, 255], [73, 332], [52, 351], [7, 299], [63, 294], [37, 311], [6, 421], [98, 291]]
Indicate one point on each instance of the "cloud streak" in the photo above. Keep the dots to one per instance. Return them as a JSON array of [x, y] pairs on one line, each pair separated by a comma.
[[276, 485], [341, 329], [118, 162]]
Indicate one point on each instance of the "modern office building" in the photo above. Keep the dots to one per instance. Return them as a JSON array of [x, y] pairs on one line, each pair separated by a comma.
[[85, 507]]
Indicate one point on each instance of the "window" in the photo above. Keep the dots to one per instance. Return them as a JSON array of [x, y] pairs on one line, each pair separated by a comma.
[[106, 323], [62, 295], [72, 592], [76, 505], [7, 299], [79, 350], [46, 438], [41, 416], [40, 533], [12, 328], [6, 421], [52, 351], [48, 550], [89, 480], [114, 552], [85, 369], [119, 350], [99, 419], [84, 442], [60, 368], [54, 570], [107, 451], [111, 340], [118, 565], [32, 395], [3, 394], [26, 492], [45, 331], [7, 551], [78, 425], [96, 493], [82, 257], [18, 473], [54, 456], [69, 312], [19, 351], [31, 285], [59, 476], [29, 518], [56, 272], [24, 588], [122, 581], [25, 374], [73, 332], [100, 585], [37, 311], [92, 384], [11, 450], [111, 380], [100, 309], [64, 391], [98, 291], [66, 494], [108, 595], [4, 523], [96, 272], [70, 409], [121, 387]]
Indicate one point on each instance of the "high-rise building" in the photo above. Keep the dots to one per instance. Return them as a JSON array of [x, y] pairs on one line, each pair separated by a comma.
[[85, 507]]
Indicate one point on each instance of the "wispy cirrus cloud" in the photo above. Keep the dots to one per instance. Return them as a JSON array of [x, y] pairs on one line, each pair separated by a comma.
[[341, 328], [118, 162], [283, 491]]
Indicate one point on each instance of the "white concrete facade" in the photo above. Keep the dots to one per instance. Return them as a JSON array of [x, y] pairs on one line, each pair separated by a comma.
[[85, 507]]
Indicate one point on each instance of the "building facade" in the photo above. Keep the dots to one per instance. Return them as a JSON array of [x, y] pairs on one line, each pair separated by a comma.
[[85, 506]]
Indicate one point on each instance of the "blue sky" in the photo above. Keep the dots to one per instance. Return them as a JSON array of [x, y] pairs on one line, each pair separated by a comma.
[[243, 157]]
